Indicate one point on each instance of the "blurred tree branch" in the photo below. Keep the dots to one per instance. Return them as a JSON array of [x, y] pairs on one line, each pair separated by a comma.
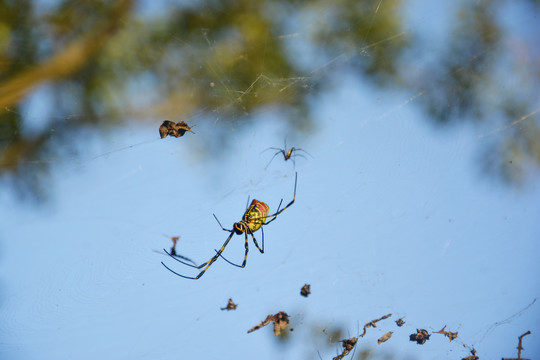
[[66, 61], [107, 64]]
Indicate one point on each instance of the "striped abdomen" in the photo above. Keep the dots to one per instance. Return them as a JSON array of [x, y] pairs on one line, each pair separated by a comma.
[[255, 215]]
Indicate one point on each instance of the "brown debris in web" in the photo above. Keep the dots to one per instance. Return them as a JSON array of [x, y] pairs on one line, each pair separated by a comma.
[[420, 337], [400, 322], [174, 129], [348, 345], [306, 290], [280, 320], [385, 337], [230, 306], [372, 323], [473, 356], [450, 335], [174, 240]]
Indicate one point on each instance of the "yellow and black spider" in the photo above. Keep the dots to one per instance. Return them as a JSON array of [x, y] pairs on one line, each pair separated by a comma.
[[254, 219], [291, 153]]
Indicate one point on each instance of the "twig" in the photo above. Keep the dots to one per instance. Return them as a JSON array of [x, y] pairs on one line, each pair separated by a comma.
[[519, 347], [372, 323]]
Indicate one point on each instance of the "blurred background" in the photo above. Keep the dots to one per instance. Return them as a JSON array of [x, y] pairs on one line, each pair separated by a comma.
[[418, 180]]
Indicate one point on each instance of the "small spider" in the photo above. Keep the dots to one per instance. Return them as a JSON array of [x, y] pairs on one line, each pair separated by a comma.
[[287, 154], [254, 219]]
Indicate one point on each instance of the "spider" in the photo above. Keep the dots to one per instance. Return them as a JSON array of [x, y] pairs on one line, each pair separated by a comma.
[[254, 219], [287, 154]]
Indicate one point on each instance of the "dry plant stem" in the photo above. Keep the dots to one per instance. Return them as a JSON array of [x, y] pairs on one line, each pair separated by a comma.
[[372, 323], [519, 347], [265, 322], [280, 320]]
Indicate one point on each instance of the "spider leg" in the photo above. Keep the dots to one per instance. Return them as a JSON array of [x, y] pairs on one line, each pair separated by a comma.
[[300, 155], [181, 257], [275, 215], [294, 158], [300, 149], [282, 210], [175, 273], [246, 246], [245, 256], [185, 263], [227, 260], [220, 223], [279, 151], [279, 205], [279, 211], [272, 148], [295, 154], [206, 264], [289, 204], [255, 240]]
